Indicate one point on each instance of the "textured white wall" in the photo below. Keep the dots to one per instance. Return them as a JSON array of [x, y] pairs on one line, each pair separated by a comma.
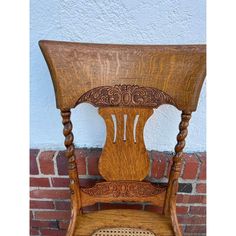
[[111, 21]]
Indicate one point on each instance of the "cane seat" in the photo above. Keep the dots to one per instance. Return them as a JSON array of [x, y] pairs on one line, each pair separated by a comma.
[[117, 222]]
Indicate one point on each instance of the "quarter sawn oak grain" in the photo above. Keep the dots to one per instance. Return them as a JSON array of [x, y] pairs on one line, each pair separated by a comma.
[[160, 225], [126, 82], [79, 67]]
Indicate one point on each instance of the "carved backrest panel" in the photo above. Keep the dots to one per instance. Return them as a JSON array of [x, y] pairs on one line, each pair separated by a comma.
[[124, 156], [126, 82], [76, 68], [124, 95]]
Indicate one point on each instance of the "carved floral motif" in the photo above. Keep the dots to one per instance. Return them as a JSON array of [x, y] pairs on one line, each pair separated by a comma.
[[126, 95], [124, 189]]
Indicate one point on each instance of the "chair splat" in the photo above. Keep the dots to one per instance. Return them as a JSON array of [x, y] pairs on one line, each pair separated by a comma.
[[135, 80], [124, 155]]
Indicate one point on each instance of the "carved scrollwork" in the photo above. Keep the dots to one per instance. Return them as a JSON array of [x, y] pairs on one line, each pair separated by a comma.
[[124, 189], [126, 95]]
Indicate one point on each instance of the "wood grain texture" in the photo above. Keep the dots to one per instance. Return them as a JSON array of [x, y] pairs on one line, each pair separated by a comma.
[[76, 68], [87, 224], [170, 199], [72, 171], [126, 96], [126, 82], [126, 150], [123, 191]]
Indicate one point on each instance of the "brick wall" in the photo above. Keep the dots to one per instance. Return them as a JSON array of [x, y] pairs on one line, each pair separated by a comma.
[[49, 193]]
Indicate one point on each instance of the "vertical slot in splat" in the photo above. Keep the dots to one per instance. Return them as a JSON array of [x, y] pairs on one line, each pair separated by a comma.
[[134, 129], [125, 129], [124, 156], [114, 127]]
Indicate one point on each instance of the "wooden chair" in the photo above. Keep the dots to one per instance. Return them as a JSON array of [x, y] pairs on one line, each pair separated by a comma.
[[126, 82]]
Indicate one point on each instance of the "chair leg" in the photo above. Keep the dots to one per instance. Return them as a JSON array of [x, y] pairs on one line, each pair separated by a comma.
[[75, 206], [72, 171], [173, 214], [170, 201], [73, 219]]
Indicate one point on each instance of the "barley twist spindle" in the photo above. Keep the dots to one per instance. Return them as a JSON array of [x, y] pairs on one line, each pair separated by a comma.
[[67, 131], [177, 161], [72, 170], [183, 132]]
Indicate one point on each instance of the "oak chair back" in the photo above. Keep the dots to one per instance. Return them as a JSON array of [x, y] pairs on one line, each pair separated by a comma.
[[126, 82]]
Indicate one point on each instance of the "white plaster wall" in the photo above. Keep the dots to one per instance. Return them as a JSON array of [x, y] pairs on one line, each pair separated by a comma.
[[111, 21]]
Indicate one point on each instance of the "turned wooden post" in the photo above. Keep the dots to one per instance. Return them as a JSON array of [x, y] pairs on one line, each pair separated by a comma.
[[177, 161], [72, 170], [170, 200], [135, 76]]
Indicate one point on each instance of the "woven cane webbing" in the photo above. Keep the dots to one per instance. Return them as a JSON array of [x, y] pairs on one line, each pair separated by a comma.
[[122, 232]]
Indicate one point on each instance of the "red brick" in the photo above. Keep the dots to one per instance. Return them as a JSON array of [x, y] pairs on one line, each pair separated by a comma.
[[181, 198], [202, 174], [34, 232], [192, 219], [159, 164], [197, 210], [190, 166], [87, 183], [195, 229], [33, 164], [39, 182], [41, 204], [31, 215], [201, 188], [181, 210], [52, 215], [45, 224], [92, 159], [60, 182], [169, 164], [153, 208], [63, 224], [62, 205], [50, 194], [202, 158], [46, 162], [52, 232], [107, 206], [80, 160], [90, 208], [62, 163]]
